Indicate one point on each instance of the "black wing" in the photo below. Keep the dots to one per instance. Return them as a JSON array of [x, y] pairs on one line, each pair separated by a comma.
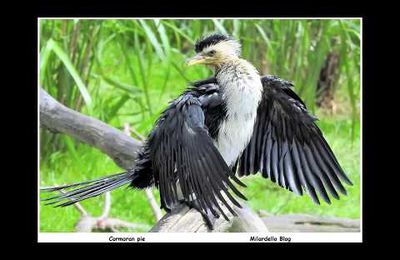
[[214, 108], [289, 148], [185, 162]]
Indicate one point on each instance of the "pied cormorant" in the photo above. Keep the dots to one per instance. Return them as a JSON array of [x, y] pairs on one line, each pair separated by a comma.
[[228, 126]]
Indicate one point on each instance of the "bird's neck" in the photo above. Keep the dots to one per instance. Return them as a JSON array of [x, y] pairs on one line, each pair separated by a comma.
[[227, 63], [241, 90], [235, 69]]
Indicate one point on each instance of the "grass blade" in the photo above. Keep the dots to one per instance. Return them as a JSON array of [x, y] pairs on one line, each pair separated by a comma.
[[71, 69], [153, 39]]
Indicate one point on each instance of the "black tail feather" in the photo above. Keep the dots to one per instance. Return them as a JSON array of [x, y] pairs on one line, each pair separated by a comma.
[[87, 189]]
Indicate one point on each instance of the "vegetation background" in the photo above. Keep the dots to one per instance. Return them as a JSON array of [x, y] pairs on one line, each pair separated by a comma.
[[126, 71]]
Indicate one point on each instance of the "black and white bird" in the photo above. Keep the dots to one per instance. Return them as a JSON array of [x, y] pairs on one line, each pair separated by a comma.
[[228, 126]]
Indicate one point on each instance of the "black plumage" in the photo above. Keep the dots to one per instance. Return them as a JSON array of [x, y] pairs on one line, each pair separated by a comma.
[[286, 147], [182, 153]]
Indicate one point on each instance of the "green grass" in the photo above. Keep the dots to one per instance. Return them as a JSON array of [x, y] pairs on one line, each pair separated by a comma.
[[127, 204]]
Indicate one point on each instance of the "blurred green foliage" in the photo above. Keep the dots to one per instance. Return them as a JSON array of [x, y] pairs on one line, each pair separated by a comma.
[[126, 71]]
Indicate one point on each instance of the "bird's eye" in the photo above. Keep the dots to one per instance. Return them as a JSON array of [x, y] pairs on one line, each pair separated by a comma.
[[211, 53]]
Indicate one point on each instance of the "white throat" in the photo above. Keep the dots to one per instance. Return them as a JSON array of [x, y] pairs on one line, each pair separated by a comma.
[[242, 91]]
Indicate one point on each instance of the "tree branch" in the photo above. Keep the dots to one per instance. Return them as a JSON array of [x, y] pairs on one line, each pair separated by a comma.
[[57, 117], [107, 205], [153, 204]]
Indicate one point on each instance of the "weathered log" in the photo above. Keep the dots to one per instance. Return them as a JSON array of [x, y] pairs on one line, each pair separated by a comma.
[[183, 219], [123, 150], [113, 142], [309, 223]]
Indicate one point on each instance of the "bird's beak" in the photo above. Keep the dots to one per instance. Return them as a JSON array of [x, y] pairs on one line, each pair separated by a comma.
[[198, 59]]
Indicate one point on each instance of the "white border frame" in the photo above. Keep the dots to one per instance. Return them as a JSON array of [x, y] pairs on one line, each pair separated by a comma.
[[321, 237]]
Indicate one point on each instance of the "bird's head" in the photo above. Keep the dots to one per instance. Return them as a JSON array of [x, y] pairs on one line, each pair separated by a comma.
[[215, 50]]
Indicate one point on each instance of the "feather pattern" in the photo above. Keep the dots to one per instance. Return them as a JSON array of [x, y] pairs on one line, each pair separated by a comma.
[[88, 189], [289, 148], [186, 164]]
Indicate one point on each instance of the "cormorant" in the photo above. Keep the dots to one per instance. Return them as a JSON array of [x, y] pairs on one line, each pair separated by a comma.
[[233, 124]]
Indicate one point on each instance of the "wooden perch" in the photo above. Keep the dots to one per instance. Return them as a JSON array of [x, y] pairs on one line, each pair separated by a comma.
[[123, 150], [183, 219]]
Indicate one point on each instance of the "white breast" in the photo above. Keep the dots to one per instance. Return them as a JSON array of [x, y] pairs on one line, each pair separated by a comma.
[[242, 95]]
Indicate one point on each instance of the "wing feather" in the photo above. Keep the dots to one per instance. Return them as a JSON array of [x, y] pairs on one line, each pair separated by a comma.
[[187, 165], [289, 148]]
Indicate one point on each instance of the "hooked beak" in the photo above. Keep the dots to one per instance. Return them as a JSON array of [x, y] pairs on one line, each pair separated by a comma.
[[198, 59]]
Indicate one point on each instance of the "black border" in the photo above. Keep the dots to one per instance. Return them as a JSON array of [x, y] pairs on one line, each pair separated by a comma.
[[371, 113]]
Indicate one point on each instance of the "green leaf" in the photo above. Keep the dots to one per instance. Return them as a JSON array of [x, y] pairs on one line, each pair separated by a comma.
[[219, 26], [153, 39], [52, 45], [121, 85], [118, 105], [70, 143], [44, 59], [179, 31], [163, 35], [264, 36]]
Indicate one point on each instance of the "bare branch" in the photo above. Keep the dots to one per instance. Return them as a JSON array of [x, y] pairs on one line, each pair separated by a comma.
[[57, 117], [107, 205], [103, 223], [309, 223], [153, 203]]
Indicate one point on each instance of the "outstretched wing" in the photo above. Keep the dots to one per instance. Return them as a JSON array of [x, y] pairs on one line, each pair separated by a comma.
[[186, 164], [289, 148]]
